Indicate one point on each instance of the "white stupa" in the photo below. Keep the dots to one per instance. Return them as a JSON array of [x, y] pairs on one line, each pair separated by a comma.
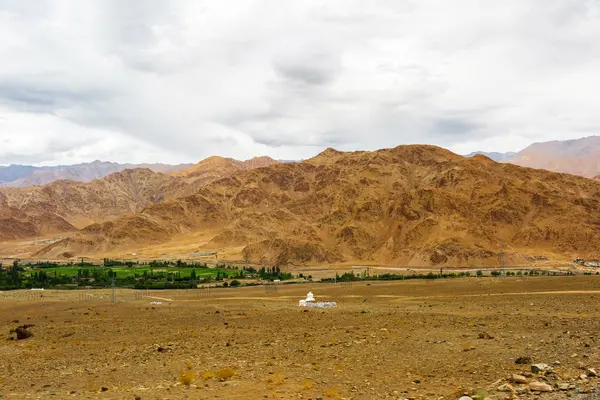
[[311, 302], [310, 298]]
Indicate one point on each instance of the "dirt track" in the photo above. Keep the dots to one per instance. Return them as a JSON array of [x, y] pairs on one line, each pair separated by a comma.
[[411, 339]]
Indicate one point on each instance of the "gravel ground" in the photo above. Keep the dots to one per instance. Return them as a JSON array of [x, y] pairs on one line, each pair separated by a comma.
[[401, 340]]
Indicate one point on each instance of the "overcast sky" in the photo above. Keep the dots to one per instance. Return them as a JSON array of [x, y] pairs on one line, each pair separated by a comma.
[[177, 81]]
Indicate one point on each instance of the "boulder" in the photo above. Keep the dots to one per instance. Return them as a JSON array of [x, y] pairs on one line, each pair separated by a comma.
[[540, 387], [540, 368]]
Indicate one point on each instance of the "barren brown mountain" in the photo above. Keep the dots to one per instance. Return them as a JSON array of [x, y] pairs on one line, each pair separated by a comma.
[[579, 157], [63, 206], [15, 224], [411, 205], [214, 168]]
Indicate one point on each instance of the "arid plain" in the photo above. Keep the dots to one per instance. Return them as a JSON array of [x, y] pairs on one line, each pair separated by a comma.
[[414, 339]]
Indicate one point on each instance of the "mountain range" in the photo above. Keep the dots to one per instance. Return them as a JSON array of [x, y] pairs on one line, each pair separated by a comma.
[[409, 205], [577, 156], [64, 206], [26, 175]]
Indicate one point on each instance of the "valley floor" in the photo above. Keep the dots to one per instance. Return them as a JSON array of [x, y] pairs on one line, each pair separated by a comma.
[[385, 340]]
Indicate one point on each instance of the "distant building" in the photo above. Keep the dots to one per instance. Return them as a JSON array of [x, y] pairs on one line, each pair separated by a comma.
[[595, 264]]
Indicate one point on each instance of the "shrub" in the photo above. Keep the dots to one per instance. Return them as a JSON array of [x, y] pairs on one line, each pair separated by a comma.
[[235, 283], [206, 375], [186, 378], [225, 373]]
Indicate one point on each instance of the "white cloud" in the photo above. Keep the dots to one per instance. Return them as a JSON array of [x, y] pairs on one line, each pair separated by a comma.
[[178, 81]]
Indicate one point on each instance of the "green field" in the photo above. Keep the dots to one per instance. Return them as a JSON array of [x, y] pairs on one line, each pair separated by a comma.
[[132, 272]]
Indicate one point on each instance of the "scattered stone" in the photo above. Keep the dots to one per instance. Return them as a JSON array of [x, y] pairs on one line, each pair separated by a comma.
[[524, 360], [485, 335], [583, 377], [540, 387], [563, 386], [506, 388], [519, 379], [22, 332], [465, 398], [591, 372], [104, 389], [540, 368], [580, 365], [556, 363]]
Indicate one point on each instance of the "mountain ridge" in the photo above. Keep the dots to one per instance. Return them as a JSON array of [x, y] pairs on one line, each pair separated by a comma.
[[409, 205], [80, 204], [24, 175]]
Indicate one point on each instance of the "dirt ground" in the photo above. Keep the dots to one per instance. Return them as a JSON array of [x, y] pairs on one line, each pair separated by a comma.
[[400, 340]]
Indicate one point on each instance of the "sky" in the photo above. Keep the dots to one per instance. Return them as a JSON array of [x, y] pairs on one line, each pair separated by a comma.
[[178, 81]]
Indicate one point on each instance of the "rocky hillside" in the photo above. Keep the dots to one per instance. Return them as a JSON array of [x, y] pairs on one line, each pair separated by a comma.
[[16, 224], [213, 168], [579, 157], [79, 204], [411, 205]]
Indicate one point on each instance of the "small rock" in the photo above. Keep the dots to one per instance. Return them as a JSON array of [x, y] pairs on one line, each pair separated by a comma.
[[563, 386], [580, 365], [104, 389], [485, 335], [540, 387], [465, 398], [519, 379], [506, 388], [556, 363], [591, 372], [524, 360], [583, 377], [540, 368]]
